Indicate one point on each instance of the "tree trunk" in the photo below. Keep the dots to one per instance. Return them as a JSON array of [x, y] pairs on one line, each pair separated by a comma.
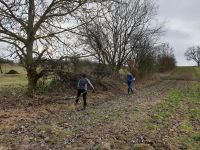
[[32, 80], [117, 68], [30, 66], [1, 69]]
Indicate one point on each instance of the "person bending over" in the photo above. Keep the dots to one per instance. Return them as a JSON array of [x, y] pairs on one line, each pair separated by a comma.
[[82, 88]]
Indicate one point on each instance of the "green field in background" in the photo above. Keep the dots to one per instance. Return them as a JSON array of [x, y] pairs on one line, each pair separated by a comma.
[[185, 73], [12, 80]]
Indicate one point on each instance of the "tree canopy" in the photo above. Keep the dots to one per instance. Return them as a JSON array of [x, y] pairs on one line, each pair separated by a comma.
[[193, 53]]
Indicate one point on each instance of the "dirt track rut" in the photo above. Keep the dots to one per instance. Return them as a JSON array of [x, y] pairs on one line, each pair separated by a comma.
[[115, 123], [110, 124]]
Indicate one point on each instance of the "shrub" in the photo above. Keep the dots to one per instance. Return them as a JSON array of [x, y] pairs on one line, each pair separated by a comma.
[[12, 72]]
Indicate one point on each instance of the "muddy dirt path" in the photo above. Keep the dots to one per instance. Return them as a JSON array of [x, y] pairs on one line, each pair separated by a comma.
[[112, 124], [120, 126]]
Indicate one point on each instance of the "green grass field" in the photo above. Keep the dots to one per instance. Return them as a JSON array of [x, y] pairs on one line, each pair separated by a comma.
[[12, 80], [8, 67], [197, 72], [185, 73], [178, 114]]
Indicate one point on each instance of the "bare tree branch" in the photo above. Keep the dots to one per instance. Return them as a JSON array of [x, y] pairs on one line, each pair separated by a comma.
[[193, 53], [119, 31]]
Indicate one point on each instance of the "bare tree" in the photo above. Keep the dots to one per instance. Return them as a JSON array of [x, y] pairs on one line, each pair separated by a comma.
[[165, 57], [193, 53], [113, 36], [37, 28]]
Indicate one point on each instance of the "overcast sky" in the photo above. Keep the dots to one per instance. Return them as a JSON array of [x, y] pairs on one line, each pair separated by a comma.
[[182, 25]]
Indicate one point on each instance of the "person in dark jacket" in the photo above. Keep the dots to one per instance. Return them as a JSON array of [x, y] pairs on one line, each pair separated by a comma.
[[82, 88], [130, 79]]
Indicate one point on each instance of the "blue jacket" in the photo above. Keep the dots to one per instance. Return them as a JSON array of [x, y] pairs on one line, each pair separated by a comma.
[[130, 78]]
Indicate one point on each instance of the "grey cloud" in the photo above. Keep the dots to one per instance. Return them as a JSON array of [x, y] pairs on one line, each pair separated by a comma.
[[182, 25], [184, 9], [173, 33]]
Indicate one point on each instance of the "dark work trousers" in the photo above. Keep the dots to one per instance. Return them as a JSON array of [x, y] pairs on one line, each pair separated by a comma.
[[130, 87], [84, 93]]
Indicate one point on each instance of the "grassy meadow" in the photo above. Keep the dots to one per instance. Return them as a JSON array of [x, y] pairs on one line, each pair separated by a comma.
[[12, 80], [185, 73], [178, 117]]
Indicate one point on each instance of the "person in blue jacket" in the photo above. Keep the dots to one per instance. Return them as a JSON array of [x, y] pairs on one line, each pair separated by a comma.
[[130, 80]]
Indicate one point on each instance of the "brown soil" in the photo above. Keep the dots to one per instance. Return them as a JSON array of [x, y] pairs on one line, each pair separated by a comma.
[[112, 120]]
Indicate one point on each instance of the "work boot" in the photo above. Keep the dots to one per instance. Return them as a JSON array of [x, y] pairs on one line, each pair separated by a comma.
[[132, 91], [76, 102], [84, 107]]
